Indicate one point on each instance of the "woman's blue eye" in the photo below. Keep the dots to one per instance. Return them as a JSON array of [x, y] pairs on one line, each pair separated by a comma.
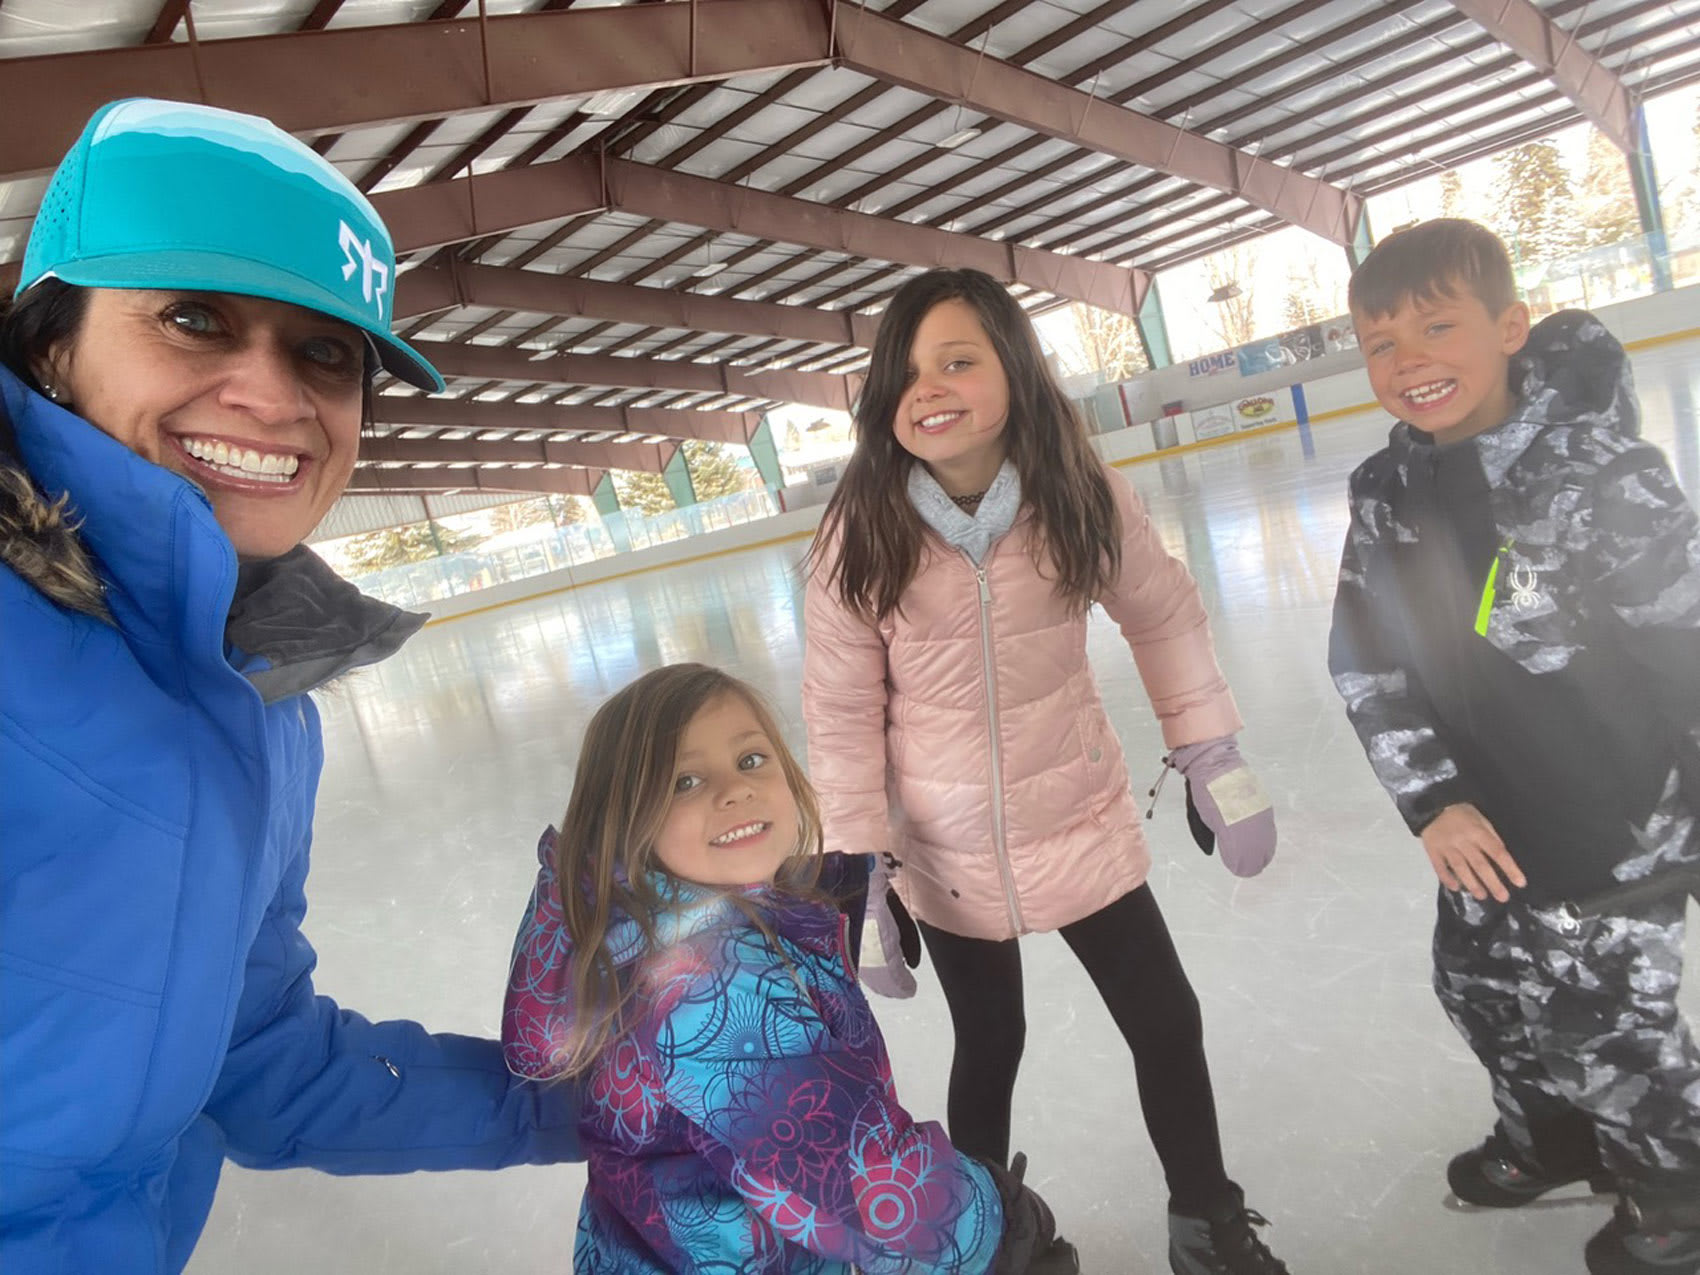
[[752, 761], [684, 783]]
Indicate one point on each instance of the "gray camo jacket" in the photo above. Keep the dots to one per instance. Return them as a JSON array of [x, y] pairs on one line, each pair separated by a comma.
[[1517, 625]]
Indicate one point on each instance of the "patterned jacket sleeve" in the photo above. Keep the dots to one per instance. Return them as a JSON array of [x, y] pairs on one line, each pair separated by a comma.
[[1372, 670], [536, 1009], [1155, 602], [1646, 575], [808, 1131], [844, 707]]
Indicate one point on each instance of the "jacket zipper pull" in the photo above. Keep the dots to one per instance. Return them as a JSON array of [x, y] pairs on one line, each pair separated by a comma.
[[985, 588], [1484, 609]]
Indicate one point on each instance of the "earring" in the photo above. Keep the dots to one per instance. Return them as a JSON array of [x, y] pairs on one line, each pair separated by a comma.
[[52, 392]]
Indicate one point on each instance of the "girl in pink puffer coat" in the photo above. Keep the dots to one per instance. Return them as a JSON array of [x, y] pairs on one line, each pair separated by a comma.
[[956, 733]]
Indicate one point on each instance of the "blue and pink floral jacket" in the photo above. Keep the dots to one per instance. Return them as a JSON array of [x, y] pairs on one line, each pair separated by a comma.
[[746, 1120]]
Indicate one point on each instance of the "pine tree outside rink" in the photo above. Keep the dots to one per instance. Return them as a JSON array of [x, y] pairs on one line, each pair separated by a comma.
[[1565, 206]]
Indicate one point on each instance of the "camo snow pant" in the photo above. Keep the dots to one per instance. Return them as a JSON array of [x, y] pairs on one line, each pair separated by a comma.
[[1577, 1024]]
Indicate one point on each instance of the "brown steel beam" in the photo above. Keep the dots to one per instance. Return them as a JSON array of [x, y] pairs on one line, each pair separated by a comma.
[[1594, 88], [701, 201], [413, 71], [436, 213], [560, 482], [321, 16], [568, 297], [643, 458], [170, 14], [506, 364], [712, 427], [1456, 117], [916, 59]]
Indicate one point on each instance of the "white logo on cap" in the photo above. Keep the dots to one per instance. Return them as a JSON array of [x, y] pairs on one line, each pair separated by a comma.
[[374, 275]]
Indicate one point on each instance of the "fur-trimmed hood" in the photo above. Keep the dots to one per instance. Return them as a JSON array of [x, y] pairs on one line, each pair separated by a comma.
[[38, 537]]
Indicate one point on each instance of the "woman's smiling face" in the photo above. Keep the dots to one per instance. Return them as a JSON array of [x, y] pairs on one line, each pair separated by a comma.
[[255, 401]]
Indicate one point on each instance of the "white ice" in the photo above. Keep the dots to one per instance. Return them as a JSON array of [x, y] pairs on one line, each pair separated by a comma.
[[1342, 1088]]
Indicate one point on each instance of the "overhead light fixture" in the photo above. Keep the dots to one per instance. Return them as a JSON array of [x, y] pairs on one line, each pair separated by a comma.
[[548, 352], [711, 269], [610, 103], [957, 139], [1227, 292]]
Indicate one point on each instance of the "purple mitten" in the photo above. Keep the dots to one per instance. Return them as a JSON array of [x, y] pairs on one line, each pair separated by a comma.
[[884, 970], [1230, 802]]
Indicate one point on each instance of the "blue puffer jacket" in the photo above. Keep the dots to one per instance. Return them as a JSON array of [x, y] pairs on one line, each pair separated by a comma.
[[156, 1001]]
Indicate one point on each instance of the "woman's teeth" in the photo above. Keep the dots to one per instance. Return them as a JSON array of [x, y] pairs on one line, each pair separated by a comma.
[[739, 834], [1423, 395], [937, 420], [242, 462]]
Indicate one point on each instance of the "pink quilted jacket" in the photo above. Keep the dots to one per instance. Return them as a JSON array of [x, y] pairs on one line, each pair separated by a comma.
[[914, 733]]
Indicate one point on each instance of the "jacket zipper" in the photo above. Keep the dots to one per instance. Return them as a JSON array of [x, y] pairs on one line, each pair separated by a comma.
[[1005, 872]]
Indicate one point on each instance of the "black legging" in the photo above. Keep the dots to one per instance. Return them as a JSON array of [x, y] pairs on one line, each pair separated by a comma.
[[1126, 949]]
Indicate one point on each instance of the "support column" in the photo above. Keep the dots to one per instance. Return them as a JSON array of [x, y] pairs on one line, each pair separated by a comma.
[[677, 476], [1644, 178], [765, 453], [1153, 328], [607, 502], [1362, 239]]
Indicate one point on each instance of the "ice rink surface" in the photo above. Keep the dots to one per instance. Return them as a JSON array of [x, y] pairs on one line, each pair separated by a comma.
[[1342, 1089]]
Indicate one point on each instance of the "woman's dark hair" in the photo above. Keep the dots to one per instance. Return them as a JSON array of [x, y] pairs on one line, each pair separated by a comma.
[[870, 519], [51, 312]]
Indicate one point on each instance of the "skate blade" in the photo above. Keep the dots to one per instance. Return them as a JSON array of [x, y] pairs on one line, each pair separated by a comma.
[[1572, 1196]]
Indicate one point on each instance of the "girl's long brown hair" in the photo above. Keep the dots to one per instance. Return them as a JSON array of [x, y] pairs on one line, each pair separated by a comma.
[[870, 519], [605, 855]]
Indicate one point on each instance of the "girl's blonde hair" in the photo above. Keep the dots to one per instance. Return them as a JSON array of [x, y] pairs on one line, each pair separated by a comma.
[[605, 856]]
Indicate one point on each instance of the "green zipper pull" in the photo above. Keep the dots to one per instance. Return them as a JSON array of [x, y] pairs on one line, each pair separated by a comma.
[[1485, 610]]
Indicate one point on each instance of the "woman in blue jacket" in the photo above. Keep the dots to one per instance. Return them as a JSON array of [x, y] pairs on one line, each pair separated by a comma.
[[183, 377]]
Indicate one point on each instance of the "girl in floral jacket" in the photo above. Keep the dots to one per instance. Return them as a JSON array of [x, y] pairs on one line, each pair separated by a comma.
[[738, 1110], [956, 732]]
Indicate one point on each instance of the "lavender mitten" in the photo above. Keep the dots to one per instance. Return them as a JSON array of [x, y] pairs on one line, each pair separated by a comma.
[[1232, 810], [886, 957]]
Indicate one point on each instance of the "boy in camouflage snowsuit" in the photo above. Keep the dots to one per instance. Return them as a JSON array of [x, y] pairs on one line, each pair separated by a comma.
[[1517, 638]]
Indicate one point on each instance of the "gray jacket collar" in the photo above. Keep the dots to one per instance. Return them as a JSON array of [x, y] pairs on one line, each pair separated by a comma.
[[974, 534], [309, 624]]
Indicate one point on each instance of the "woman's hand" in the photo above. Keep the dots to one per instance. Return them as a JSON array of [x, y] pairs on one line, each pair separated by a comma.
[[1467, 854]]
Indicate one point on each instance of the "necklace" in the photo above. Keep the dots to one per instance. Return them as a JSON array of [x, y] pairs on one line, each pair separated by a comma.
[[970, 500]]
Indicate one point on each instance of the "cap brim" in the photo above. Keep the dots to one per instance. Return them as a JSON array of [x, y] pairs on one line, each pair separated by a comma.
[[219, 272]]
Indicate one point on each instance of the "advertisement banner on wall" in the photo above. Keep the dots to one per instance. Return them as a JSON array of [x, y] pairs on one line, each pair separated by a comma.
[[1301, 344], [1338, 334], [1213, 422], [1255, 411], [1213, 364], [1260, 356]]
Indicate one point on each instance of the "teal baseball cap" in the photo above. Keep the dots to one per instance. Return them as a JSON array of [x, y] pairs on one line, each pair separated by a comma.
[[158, 194]]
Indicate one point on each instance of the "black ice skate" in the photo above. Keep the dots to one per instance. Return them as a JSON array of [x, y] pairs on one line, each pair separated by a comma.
[[1495, 1176], [1651, 1233], [1221, 1241]]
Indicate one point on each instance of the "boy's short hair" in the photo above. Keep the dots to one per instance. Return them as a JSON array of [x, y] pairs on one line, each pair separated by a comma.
[[1431, 260]]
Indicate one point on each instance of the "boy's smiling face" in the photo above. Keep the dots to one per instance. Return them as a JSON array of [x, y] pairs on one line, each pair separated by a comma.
[[1441, 364]]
